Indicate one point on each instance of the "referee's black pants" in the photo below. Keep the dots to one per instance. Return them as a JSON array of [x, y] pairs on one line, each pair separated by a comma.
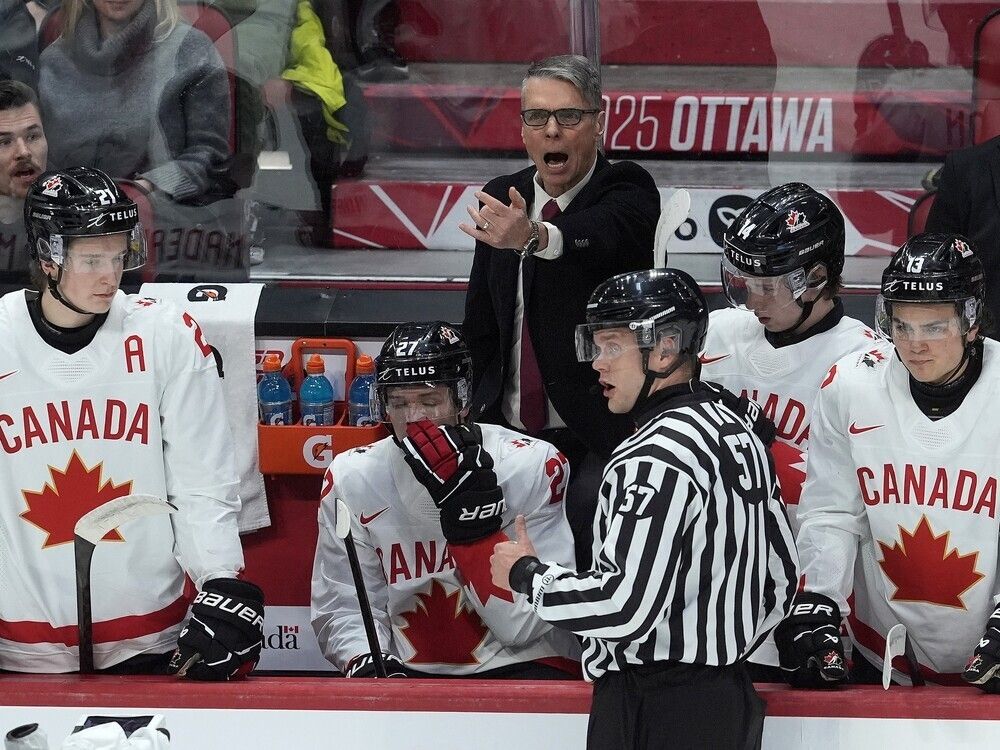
[[674, 705]]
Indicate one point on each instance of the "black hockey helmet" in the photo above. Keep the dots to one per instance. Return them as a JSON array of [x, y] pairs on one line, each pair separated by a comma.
[[80, 202], [781, 236], [933, 268], [651, 304], [787, 228], [432, 354]]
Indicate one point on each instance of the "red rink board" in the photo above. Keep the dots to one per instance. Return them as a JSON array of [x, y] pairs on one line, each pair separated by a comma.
[[880, 123], [415, 215]]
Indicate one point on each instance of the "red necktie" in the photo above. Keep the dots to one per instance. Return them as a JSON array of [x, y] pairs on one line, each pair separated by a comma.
[[534, 411]]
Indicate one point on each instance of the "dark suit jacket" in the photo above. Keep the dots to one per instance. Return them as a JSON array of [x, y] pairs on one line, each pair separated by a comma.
[[607, 229], [968, 202]]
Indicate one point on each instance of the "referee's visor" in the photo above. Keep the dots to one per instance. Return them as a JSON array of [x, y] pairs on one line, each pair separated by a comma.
[[611, 339]]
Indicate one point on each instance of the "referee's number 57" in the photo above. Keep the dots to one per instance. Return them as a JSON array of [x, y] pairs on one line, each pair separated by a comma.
[[748, 470]]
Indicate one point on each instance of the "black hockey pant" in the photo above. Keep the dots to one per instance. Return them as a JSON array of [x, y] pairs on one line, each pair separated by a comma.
[[676, 706]]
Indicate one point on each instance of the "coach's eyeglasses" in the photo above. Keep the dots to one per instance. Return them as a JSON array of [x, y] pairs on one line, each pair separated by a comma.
[[567, 117]]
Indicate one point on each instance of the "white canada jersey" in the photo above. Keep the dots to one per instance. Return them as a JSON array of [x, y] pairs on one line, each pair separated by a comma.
[[139, 410], [784, 381], [432, 614], [902, 510]]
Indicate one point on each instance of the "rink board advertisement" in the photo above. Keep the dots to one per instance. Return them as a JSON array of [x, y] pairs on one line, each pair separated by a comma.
[[881, 116], [426, 215], [307, 713]]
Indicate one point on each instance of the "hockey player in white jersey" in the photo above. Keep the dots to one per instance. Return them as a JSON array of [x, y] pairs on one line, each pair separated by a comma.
[[104, 395], [900, 501], [781, 272], [428, 505]]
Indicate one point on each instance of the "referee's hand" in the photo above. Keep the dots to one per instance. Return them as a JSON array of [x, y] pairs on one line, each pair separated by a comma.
[[505, 554]]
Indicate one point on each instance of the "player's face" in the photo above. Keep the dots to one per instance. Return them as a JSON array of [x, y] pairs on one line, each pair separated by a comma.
[[23, 150], [619, 365], [563, 154], [929, 340], [117, 12], [406, 404], [771, 300], [92, 271]]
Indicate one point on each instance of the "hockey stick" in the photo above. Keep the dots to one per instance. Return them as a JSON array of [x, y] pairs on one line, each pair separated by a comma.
[[895, 645], [674, 213], [88, 532], [342, 528]]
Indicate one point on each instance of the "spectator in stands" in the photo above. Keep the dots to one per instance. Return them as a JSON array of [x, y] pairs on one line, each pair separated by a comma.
[[968, 203], [378, 59], [169, 125], [18, 42], [545, 238], [166, 127], [23, 157]]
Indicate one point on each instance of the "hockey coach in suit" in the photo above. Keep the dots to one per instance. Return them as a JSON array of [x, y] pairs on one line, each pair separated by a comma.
[[546, 236]]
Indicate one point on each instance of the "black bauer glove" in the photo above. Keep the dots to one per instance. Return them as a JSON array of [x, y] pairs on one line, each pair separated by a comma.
[[458, 473], [810, 649], [364, 666], [981, 670], [223, 638]]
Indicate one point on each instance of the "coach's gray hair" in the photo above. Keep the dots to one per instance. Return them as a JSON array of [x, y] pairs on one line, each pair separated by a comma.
[[574, 69]]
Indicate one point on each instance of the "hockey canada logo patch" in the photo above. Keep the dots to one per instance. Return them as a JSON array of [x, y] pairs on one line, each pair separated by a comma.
[[52, 186], [795, 221], [962, 248]]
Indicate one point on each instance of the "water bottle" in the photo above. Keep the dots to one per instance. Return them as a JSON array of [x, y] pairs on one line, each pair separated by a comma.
[[316, 394], [359, 404], [274, 395]]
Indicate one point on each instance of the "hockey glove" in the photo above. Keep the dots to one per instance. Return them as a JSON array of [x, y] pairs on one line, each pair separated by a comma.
[[982, 668], [364, 666], [458, 473], [223, 638], [810, 649]]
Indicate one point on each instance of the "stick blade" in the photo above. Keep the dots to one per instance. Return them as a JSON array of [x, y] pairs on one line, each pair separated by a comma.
[[342, 525], [895, 645], [94, 525], [672, 215]]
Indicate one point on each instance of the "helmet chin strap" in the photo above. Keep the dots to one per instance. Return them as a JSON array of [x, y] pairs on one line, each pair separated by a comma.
[[652, 375], [53, 285]]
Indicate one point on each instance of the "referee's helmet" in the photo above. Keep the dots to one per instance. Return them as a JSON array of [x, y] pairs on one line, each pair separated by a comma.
[[652, 304]]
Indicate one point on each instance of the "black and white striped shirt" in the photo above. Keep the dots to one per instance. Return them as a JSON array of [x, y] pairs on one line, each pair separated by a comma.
[[694, 558]]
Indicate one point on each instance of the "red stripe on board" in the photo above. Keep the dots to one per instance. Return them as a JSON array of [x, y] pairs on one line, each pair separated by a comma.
[[119, 629], [507, 696]]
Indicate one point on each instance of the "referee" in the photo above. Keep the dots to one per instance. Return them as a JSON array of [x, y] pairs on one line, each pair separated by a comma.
[[694, 562]]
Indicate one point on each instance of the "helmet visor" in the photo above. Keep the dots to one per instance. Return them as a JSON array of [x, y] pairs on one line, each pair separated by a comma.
[[748, 292], [86, 259], [611, 340], [892, 322], [441, 402]]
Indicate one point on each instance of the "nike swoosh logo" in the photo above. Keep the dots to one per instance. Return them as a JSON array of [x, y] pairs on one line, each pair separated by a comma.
[[365, 520], [706, 360], [855, 430], [7, 375]]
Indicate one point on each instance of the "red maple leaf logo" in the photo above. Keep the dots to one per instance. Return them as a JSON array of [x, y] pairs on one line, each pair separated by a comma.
[[923, 570], [73, 492], [442, 630]]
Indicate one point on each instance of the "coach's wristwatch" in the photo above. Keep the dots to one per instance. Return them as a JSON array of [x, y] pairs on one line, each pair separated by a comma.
[[531, 246]]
